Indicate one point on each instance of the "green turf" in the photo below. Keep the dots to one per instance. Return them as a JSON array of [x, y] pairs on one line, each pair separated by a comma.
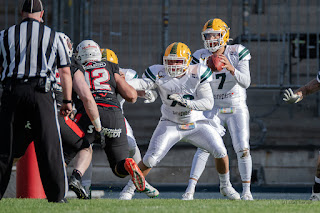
[[158, 205]]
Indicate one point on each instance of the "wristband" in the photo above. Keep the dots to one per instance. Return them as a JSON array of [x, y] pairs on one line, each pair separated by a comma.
[[97, 124], [67, 101]]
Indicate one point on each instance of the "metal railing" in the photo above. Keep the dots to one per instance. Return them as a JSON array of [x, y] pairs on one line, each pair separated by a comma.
[[282, 35]]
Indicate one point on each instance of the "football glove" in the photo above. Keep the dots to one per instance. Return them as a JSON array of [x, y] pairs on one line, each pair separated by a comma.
[[179, 99], [101, 137], [290, 97], [150, 96]]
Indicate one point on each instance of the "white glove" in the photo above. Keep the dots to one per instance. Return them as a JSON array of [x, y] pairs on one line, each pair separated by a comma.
[[290, 97], [150, 96], [179, 99]]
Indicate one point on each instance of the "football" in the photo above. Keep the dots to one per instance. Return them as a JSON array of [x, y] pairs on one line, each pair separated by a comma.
[[214, 63]]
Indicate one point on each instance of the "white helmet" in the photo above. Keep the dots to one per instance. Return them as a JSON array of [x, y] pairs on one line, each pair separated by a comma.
[[88, 50], [67, 43]]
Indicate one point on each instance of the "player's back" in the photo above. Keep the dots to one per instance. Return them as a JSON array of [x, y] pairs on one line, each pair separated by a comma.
[[99, 76]]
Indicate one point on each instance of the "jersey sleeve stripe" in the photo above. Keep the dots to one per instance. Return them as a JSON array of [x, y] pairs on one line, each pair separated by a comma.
[[244, 50], [149, 74], [244, 55], [194, 60], [206, 75], [136, 76]]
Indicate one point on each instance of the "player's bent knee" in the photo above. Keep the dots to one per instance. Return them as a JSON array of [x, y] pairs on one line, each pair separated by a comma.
[[221, 153], [244, 153], [149, 161]]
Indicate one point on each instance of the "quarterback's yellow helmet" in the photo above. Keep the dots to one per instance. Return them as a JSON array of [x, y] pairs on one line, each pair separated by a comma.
[[215, 34], [109, 55], [176, 59]]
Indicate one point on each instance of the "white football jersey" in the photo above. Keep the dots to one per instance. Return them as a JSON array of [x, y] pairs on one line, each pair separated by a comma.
[[229, 90], [187, 86], [129, 75]]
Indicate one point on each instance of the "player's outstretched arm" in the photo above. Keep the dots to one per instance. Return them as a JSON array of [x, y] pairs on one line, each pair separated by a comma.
[[294, 97]]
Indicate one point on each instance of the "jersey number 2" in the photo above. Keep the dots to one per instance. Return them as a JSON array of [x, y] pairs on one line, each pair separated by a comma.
[[98, 79]]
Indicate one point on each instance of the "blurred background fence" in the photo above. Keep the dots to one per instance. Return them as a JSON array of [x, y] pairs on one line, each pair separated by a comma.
[[282, 36]]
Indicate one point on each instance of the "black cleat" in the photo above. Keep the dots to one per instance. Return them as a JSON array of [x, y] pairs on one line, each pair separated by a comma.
[[75, 185]]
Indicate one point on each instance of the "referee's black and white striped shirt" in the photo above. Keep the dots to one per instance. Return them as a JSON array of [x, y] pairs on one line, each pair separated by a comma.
[[31, 49]]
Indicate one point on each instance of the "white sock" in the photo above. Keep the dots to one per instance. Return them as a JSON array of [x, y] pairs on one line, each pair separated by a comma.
[[191, 186], [245, 187], [316, 179], [224, 179]]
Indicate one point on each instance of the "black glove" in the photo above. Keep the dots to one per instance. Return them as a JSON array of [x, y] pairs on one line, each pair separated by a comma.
[[100, 136]]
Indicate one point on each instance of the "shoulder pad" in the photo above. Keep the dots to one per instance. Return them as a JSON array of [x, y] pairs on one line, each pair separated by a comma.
[[129, 73], [243, 53], [203, 72], [153, 72], [200, 55]]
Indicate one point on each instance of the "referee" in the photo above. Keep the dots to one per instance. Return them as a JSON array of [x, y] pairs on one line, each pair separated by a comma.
[[28, 51]]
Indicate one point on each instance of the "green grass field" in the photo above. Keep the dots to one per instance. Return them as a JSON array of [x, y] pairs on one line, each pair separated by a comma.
[[159, 205]]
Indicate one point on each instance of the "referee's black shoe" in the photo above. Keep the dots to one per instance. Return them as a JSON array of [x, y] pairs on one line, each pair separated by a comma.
[[76, 186]]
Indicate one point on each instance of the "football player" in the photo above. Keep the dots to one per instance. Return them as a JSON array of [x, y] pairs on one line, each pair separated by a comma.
[[134, 152], [229, 88], [185, 93], [105, 83], [294, 97]]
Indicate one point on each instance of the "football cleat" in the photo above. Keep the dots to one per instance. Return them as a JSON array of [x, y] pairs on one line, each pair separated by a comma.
[[127, 192], [135, 173], [75, 185], [230, 192], [246, 196], [314, 196], [187, 196], [150, 191]]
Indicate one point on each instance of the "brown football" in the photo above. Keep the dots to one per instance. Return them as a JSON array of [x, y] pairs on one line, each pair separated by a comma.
[[214, 63]]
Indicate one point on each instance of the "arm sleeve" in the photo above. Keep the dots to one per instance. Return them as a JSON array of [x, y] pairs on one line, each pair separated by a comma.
[[242, 74], [63, 59], [205, 99], [142, 84]]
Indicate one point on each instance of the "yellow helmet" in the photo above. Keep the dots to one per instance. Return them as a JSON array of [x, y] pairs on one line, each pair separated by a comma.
[[215, 26], [181, 55], [109, 55]]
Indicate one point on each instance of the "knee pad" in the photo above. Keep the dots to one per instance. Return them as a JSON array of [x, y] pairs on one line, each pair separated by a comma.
[[149, 161], [243, 154], [220, 153]]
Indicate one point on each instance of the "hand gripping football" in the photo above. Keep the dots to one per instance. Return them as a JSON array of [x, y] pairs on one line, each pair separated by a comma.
[[214, 63]]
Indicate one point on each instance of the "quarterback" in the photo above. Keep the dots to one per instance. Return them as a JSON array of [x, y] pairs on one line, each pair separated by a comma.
[[229, 91], [185, 93]]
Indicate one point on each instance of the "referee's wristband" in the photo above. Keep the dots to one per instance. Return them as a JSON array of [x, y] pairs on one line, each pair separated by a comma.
[[67, 101]]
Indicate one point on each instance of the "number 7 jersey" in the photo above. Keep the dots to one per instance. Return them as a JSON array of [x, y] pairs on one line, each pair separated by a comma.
[[99, 76], [229, 90]]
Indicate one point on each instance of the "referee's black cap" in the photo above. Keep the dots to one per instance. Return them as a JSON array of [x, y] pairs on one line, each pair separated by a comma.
[[32, 6]]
